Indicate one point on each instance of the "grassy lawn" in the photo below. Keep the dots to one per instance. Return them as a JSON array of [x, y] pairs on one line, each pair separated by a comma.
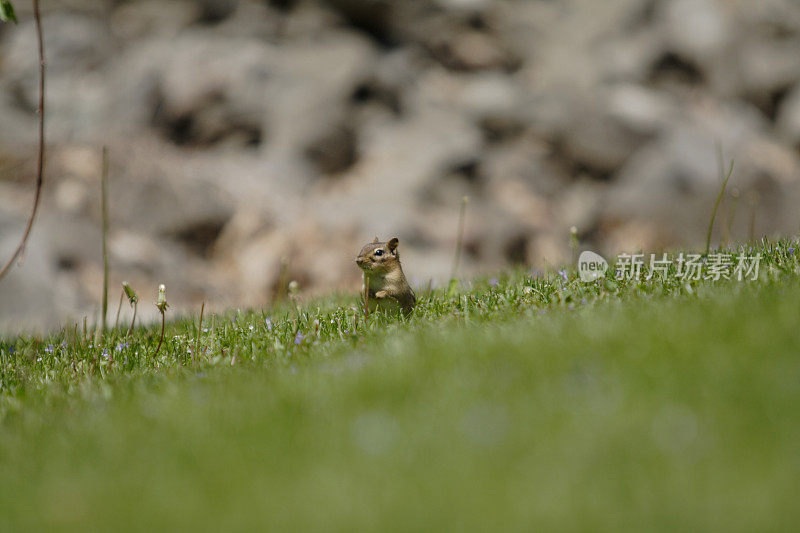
[[530, 403]]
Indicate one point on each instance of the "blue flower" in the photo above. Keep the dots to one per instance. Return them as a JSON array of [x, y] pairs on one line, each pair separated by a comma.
[[493, 282], [121, 346], [563, 274], [299, 338], [268, 322], [105, 353], [791, 250], [50, 349]]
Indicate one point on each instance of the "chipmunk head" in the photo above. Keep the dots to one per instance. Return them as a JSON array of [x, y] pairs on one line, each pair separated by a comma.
[[378, 258]]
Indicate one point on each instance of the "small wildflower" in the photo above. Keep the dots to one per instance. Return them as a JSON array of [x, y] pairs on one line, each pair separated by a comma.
[[494, 282], [130, 293], [121, 346], [11, 350], [105, 353], [573, 238], [298, 339], [252, 327], [563, 274], [161, 302], [791, 250], [49, 349], [268, 322]]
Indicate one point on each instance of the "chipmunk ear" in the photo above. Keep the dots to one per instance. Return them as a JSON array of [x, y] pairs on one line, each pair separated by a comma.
[[392, 244], [376, 241]]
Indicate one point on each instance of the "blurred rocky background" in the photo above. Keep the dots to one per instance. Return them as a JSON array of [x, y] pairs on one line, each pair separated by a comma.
[[248, 134]]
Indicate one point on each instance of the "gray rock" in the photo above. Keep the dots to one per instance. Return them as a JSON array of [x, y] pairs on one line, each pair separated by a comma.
[[153, 18], [698, 29], [789, 118]]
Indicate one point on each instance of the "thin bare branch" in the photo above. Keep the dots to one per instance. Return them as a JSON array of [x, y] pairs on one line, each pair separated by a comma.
[[40, 164]]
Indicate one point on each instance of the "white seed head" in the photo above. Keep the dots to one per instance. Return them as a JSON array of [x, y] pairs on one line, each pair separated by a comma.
[[161, 303]]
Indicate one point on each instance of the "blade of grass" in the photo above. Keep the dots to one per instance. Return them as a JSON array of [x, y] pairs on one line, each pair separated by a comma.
[[104, 209], [459, 245], [366, 297], [199, 332], [717, 202], [751, 234]]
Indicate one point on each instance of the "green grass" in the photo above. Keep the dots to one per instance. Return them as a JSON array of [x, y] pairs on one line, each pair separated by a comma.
[[535, 404]]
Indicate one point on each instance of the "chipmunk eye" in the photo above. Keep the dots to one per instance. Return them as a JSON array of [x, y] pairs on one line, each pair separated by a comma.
[[379, 252]]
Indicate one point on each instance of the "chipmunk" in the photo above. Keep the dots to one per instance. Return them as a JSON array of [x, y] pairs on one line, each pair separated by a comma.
[[388, 287]]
